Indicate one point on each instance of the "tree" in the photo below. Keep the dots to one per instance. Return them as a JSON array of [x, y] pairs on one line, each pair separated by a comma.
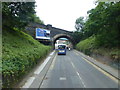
[[77, 36], [37, 19], [104, 23], [79, 24], [17, 14]]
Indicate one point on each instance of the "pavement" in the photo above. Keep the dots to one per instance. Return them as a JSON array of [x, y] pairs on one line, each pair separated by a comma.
[[73, 70], [114, 72]]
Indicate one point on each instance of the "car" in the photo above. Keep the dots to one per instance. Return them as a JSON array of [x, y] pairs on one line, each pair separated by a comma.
[[61, 49]]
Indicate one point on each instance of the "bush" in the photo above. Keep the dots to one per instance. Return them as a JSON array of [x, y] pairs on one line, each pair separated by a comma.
[[86, 45], [90, 45], [20, 53]]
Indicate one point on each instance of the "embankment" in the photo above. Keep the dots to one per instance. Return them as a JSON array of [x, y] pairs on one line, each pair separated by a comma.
[[109, 56], [20, 53]]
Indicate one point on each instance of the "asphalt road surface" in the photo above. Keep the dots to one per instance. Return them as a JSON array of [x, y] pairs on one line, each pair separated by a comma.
[[72, 71]]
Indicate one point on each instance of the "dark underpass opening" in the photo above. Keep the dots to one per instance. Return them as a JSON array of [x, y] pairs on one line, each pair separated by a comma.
[[63, 39]]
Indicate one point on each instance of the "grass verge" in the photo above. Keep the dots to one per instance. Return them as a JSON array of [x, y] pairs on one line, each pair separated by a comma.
[[88, 46], [20, 53]]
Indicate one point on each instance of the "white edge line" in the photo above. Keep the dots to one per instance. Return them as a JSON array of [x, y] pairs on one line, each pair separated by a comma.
[[52, 53], [53, 62], [42, 66], [29, 82], [31, 79]]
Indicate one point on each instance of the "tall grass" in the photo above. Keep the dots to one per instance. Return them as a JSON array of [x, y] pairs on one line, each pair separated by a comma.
[[20, 52], [86, 45], [89, 46]]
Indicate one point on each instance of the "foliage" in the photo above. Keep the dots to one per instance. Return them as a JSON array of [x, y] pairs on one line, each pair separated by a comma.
[[89, 46], [37, 19], [77, 36], [101, 31], [104, 22], [86, 45], [79, 23], [20, 52], [18, 14]]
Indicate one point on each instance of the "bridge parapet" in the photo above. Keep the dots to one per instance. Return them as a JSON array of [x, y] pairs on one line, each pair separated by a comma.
[[30, 29]]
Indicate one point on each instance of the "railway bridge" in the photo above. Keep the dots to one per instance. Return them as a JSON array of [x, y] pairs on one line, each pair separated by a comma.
[[55, 33]]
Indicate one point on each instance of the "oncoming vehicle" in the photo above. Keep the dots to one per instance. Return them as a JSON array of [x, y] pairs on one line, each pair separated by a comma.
[[62, 49]]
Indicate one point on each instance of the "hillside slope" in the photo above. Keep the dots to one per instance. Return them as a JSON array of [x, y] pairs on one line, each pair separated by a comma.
[[109, 55], [20, 53]]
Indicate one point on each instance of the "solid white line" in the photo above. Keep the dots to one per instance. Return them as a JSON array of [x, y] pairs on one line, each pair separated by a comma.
[[53, 62], [52, 53], [42, 66], [29, 82]]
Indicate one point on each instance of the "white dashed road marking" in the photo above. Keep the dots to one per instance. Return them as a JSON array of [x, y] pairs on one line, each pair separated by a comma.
[[78, 75], [81, 79], [62, 78]]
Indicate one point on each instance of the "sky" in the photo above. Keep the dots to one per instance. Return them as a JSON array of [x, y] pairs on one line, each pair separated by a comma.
[[63, 13]]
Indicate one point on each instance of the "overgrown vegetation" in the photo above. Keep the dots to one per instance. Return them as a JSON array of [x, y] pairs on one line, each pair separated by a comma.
[[18, 14], [20, 53], [88, 46], [100, 32]]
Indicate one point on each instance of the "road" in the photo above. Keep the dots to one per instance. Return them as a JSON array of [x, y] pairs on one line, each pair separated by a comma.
[[73, 71]]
